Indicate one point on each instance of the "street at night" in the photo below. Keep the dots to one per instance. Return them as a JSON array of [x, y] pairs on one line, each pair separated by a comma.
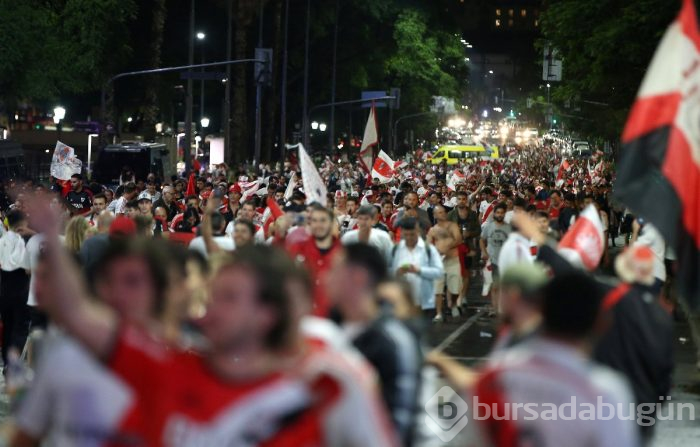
[[349, 223]]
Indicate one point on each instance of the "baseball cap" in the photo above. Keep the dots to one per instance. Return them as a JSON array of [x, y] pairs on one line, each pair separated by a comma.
[[235, 188], [144, 196], [529, 277]]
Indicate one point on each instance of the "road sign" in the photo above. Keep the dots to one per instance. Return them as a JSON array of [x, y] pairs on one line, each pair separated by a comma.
[[551, 64], [371, 94]]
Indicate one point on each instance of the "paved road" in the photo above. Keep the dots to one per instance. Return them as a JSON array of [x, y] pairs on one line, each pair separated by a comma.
[[470, 338]]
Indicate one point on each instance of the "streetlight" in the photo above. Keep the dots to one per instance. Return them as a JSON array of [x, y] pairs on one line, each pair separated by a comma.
[[322, 127], [204, 122], [130, 119], [201, 36], [314, 125], [58, 114]]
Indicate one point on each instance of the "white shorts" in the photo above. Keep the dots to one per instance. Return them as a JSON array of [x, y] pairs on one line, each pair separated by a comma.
[[452, 277]]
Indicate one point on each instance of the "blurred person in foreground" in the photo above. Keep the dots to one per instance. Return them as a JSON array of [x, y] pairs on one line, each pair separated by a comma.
[[638, 339], [384, 341], [555, 368], [246, 388], [74, 399], [520, 296]]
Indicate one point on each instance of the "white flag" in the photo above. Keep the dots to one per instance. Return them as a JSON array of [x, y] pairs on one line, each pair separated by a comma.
[[369, 140], [64, 163], [314, 188], [456, 178], [290, 186]]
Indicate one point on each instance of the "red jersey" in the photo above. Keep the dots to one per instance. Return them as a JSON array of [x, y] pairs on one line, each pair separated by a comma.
[[318, 264], [181, 403]]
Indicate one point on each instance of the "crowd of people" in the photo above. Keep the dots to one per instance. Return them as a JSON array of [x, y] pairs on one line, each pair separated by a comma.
[[222, 308]]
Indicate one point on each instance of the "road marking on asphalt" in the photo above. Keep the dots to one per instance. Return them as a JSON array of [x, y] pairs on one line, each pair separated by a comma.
[[457, 332]]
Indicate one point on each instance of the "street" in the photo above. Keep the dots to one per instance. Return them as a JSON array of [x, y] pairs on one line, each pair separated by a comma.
[[470, 338]]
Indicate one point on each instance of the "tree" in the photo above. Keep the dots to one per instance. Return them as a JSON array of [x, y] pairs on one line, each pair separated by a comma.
[[606, 62], [149, 108], [58, 47]]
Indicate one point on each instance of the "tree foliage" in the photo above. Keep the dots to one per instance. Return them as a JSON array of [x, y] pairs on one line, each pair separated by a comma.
[[49, 48], [606, 46]]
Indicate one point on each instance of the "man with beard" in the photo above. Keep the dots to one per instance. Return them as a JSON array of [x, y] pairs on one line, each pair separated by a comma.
[[317, 252], [493, 236], [410, 202]]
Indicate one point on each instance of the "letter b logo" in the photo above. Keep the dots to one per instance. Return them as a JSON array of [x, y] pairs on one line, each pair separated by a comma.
[[446, 414]]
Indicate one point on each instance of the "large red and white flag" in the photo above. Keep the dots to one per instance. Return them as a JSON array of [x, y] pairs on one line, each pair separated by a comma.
[[658, 172], [383, 168], [584, 243], [370, 139], [563, 168]]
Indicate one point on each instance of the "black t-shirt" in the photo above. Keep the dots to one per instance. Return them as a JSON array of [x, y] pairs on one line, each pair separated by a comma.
[[81, 201]]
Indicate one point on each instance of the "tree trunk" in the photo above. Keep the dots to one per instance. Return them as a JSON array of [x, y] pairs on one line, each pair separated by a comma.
[[238, 144], [271, 105], [150, 107]]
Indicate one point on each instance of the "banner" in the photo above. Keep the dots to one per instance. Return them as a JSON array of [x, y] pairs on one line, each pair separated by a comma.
[[383, 168], [314, 187], [64, 163], [370, 139], [583, 244]]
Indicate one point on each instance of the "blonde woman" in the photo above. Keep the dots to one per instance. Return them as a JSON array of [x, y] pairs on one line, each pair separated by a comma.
[[76, 232]]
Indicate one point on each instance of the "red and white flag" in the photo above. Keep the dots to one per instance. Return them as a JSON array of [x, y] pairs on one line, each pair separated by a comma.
[[370, 139], [584, 243], [383, 168], [456, 178], [563, 167], [658, 171]]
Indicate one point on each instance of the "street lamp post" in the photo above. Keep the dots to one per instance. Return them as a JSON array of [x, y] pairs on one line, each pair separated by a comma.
[[200, 37], [58, 114], [396, 127]]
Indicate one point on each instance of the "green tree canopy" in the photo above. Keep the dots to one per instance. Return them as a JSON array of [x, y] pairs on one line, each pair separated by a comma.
[[48, 48], [606, 46]]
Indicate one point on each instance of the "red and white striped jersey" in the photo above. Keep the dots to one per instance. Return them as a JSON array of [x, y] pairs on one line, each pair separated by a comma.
[[181, 403]]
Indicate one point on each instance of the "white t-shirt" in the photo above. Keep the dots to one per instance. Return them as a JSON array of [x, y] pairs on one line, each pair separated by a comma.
[[74, 399], [34, 246], [225, 242], [259, 234], [516, 249], [377, 238], [13, 252]]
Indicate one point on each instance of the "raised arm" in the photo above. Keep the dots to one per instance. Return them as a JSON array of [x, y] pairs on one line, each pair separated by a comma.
[[64, 295], [207, 231]]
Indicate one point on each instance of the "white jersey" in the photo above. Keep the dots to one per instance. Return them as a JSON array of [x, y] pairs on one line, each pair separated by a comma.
[[74, 400], [224, 242], [546, 392], [378, 239]]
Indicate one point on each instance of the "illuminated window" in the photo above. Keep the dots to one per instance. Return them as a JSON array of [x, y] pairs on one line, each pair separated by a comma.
[[498, 22], [510, 22], [523, 13], [510, 13], [498, 12]]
